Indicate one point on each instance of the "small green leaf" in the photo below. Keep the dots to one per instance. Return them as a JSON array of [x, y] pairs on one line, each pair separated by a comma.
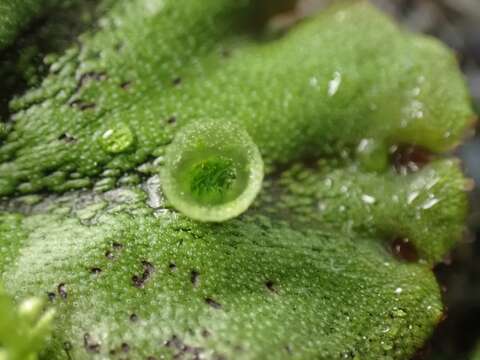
[[23, 330]]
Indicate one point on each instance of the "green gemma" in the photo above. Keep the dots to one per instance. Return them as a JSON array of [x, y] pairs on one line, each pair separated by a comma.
[[213, 170]]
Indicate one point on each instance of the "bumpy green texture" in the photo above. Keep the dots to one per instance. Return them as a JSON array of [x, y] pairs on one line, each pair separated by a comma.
[[332, 260], [23, 330]]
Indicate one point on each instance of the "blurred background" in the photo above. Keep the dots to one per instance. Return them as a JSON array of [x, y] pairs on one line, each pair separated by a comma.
[[457, 23]]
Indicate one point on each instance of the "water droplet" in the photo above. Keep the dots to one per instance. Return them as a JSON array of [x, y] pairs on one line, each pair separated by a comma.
[[367, 199], [412, 196], [328, 183], [117, 139], [313, 81], [398, 290], [414, 110], [334, 84], [431, 202], [386, 346], [322, 206]]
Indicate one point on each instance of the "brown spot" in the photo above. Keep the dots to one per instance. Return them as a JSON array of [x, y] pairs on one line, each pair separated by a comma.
[[67, 346], [177, 81], [408, 158], [205, 333], [176, 344], [95, 270], [125, 347], [67, 138], [403, 249], [118, 46], [97, 76], [90, 345], [117, 246], [226, 53], [148, 269], [82, 105], [195, 278], [62, 290], [126, 85], [213, 303], [172, 120], [270, 285]]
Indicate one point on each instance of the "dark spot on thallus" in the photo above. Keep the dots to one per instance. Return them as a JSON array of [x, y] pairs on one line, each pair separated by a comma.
[[86, 77], [67, 346], [195, 278], [133, 317], [126, 85], [62, 290], [51, 296], [95, 270], [139, 280], [408, 159], [82, 105], [172, 120], [175, 343], [270, 285], [226, 53], [212, 303], [90, 345], [177, 81], [67, 138], [403, 249]]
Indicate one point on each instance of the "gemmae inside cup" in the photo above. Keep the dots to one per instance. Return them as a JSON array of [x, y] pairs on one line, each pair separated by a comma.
[[213, 171]]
